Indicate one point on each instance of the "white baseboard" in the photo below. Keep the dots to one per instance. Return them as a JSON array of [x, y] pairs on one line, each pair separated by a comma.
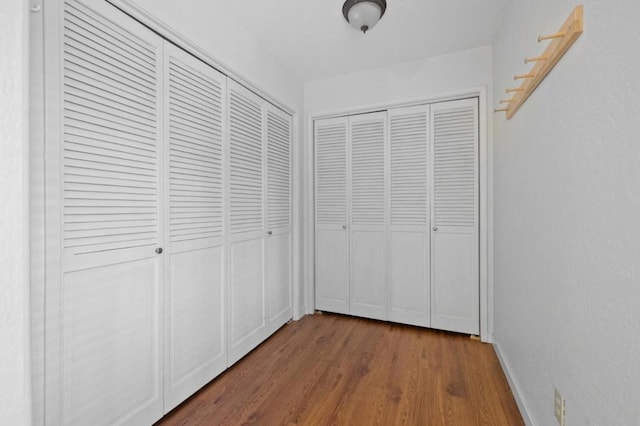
[[515, 389]]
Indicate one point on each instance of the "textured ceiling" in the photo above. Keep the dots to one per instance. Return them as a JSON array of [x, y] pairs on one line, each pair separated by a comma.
[[311, 37]]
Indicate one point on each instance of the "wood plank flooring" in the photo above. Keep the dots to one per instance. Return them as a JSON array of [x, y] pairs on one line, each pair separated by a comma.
[[338, 370]]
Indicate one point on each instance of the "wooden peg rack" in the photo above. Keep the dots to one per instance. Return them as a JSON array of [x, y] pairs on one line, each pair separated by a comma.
[[559, 45]]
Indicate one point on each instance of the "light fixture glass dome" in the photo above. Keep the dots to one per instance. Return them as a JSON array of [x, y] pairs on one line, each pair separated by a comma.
[[363, 14]]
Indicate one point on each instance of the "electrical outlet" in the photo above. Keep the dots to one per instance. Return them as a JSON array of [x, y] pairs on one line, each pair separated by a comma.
[[560, 408]]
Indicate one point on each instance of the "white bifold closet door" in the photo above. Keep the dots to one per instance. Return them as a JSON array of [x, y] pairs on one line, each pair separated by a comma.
[[455, 299], [409, 150], [367, 236], [104, 197], [168, 192], [397, 215], [195, 349], [245, 182], [351, 215], [278, 242], [331, 215], [259, 216]]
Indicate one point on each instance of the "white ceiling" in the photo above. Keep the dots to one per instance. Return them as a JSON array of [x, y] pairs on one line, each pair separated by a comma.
[[312, 38]]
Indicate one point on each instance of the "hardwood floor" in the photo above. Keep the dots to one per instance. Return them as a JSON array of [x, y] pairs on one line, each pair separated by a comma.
[[337, 370]]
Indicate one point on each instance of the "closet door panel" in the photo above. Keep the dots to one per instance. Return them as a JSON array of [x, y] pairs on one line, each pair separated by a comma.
[[196, 351], [194, 315], [454, 235], [111, 360], [104, 333], [332, 271], [455, 277], [247, 307], [278, 253], [368, 281], [409, 292], [279, 280], [246, 301], [332, 216]]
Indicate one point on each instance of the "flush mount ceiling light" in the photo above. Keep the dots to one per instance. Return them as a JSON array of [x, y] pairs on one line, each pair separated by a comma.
[[363, 14]]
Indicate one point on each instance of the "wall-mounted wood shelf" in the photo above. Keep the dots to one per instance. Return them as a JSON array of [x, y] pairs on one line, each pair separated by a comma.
[[560, 43]]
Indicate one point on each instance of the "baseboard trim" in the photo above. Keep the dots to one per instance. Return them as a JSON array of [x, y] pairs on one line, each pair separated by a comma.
[[515, 389]]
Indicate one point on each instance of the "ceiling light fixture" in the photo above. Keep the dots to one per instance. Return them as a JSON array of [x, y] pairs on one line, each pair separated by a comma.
[[363, 14]]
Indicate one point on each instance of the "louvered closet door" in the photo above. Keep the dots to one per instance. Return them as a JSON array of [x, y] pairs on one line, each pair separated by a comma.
[[454, 217], [409, 292], [194, 299], [332, 253], [368, 273], [104, 335], [245, 180], [278, 243]]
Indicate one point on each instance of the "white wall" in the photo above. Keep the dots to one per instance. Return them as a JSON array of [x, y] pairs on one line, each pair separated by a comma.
[[567, 215], [15, 401], [431, 77]]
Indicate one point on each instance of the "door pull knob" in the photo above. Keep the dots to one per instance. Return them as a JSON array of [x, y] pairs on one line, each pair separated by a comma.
[[159, 250]]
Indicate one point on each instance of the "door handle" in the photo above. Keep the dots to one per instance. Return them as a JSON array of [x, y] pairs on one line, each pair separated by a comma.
[[344, 226], [435, 228], [270, 233], [159, 250]]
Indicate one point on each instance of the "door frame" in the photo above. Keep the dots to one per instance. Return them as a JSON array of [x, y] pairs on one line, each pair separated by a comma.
[[485, 180]]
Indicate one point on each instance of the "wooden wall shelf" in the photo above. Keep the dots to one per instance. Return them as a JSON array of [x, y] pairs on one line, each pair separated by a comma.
[[559, 45]]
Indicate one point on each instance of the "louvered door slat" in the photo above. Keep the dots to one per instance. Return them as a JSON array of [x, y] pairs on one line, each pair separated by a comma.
[[195, 153], [102, 143], [77, 69], [127, 64], [196, 84], [408, 147], [79, 54], [82, 92], [88, 131], [331, 173], [278, 170], [187, 117], [186, 147], [94, 22], [368, 172], [110, 143], [79, 114], [455, 167], [109, 152], [245, 164]]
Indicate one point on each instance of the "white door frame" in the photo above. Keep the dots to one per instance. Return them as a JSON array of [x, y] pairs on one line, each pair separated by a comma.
[[486, 197]]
